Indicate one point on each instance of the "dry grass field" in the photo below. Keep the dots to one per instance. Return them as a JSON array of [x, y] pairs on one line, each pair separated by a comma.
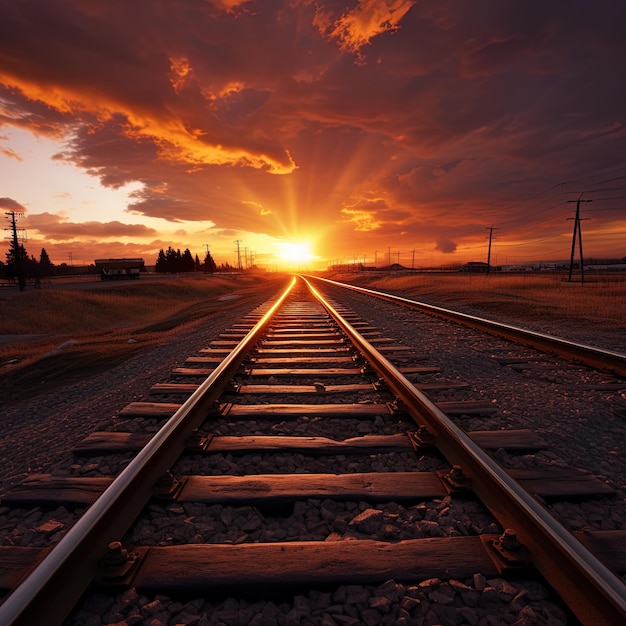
[[87, 328], [534, 299], [71, 330]]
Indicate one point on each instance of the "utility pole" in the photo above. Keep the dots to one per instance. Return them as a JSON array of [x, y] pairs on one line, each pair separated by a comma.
[[208, 259], [577, 229], [413, 260], [238, 242], [19, 270], [490, 229]]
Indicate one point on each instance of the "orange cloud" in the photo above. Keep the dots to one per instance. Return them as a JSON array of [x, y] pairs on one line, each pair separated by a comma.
[[180, 72], [10, 153], [364, 214], [56, 228], [176, 141], [11, 205], [370, 18]]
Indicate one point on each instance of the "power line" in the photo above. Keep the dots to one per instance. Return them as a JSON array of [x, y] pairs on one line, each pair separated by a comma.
[[577, 181], [603, 189], [608, 208], [527, 243]]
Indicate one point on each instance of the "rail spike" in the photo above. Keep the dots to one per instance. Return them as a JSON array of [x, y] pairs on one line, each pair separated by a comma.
[[118, 564], [507, 553], [455, 481], [398, 406]]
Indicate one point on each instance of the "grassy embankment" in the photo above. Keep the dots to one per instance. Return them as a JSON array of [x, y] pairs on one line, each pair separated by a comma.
[[73, 332]]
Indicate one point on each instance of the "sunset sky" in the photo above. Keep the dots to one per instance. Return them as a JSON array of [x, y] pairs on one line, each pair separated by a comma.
[[313, 132]]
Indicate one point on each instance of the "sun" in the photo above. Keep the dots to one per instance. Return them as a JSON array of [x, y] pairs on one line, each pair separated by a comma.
[[294, 253]]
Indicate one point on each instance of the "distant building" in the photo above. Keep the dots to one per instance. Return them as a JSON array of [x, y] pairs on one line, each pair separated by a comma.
[[119, 269], [475, 266], [516, 268]]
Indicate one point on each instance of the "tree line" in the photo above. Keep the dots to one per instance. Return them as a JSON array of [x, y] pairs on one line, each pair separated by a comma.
[[21, 267], [173, 262]]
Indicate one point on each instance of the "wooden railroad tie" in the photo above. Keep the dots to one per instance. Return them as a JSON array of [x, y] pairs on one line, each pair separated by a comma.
[[197, 567], [167, 409], [48, 490], [104, 442]]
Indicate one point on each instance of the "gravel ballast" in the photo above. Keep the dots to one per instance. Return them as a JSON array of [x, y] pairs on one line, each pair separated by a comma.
[[586, 429]]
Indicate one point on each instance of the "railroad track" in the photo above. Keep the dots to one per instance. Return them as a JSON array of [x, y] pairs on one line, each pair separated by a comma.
[[304, 404]]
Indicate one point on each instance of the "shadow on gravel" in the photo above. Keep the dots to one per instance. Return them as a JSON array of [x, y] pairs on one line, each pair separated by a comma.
[[29, 379], [51, 366]]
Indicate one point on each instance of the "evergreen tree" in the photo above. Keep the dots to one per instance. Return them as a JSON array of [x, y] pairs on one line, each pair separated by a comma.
[[46, 267], [161, 262], [33, 270], [209, 264], [17, 263], [173, 260], [186, 262]]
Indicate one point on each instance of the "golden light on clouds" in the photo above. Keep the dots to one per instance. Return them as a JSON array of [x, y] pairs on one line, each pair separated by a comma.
[[176, 142], [56, 97], [370, 18], [180, 72], [364, 221], [229, 89]]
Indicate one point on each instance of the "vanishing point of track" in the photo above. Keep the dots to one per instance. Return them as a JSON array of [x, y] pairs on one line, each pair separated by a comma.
[[297, 332]]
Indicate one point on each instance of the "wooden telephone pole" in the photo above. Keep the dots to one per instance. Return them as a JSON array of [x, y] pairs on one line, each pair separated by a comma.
[[238, 244], [17, 258], [577, 230], [490, 229]]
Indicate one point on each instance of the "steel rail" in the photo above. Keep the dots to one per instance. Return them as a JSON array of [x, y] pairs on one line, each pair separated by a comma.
[[52, 589], [594, 593], [589, 355]]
